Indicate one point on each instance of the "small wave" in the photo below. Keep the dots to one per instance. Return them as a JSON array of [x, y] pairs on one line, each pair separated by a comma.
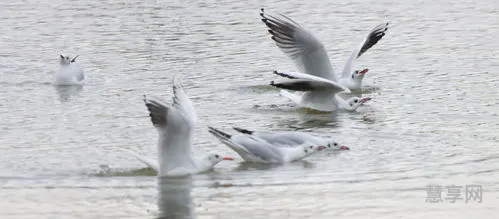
[[106, 171]]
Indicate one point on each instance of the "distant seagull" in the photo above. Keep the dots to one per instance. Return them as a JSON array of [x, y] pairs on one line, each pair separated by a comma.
[[175, 124], [309, 53], [256, 150], [292, 138], [70, 72]]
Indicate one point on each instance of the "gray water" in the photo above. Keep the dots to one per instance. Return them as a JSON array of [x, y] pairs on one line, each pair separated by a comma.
[[433, 118]]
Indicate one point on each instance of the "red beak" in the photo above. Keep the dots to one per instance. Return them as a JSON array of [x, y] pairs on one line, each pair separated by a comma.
[[363, 71], [344, 148], [321, 148], [228, 158], [363, 100]]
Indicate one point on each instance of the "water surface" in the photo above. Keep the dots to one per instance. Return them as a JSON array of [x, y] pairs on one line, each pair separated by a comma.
[[433, 119]]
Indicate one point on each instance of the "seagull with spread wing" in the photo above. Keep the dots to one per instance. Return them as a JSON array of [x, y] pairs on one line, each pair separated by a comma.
[[319, 81], [309, 53], [175, 124]]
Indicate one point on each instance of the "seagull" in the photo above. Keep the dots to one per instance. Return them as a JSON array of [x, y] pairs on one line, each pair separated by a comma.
[[309, 53], [317, 93], [256, 150], [292, 138], [70, 72], [175, 124]]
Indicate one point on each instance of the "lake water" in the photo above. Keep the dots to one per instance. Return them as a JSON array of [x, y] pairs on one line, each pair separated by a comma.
[[433, 120]]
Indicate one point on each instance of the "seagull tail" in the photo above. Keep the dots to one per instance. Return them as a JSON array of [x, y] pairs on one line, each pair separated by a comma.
[[291, 96], [149, 162]]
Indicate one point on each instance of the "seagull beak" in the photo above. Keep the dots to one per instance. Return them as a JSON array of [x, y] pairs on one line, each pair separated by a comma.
[[344, 148], [320, 148], [363, 72], [228, 158], [363, 100]]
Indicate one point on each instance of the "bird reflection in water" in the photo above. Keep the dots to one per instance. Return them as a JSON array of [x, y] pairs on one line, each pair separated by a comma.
[[66, 92], [175, 200]]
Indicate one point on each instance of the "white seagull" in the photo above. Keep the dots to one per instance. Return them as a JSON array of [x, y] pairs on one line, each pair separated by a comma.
[[317, 93], [309, 53], [256, 150], [175, 125], [70, 72], [292, 138]]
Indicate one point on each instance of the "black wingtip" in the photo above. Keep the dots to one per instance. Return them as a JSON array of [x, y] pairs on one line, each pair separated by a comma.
[[74, 59], [376, 35], [282, 74], [277, 73], [244, 131], [218, 132], [157, 112], [262, 11], [277, 85]]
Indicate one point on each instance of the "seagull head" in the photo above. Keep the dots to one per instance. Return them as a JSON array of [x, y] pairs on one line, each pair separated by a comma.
[[359, 75], [355, 102], [64, 60], [333, 145], [216, 158]]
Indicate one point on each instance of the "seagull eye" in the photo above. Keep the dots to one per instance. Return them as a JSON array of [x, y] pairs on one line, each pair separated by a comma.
[[355, 101], [311, 147], [335, 144], [216, 156]]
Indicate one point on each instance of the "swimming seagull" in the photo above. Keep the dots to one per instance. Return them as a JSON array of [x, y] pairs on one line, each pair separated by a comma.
[[317, 93], [256, 150], [309, 53], [70, 72], [292, 138], [175, 124]]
